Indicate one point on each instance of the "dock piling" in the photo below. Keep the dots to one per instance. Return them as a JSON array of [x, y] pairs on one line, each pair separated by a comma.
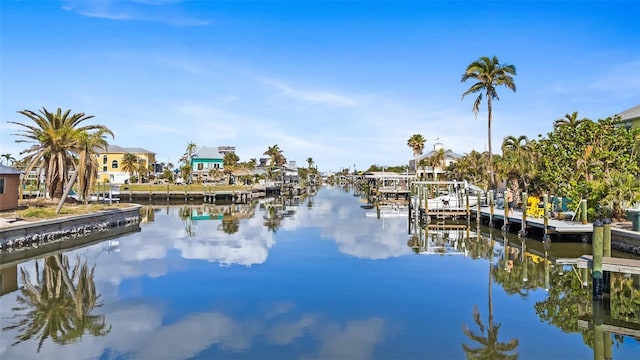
[[491, 203], [596, 273], [606, 252], [523, 228]]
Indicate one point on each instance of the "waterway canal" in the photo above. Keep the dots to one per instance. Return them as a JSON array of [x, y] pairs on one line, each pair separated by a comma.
[[316, 277]]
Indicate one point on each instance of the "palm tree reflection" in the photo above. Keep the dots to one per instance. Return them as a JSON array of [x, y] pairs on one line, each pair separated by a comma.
[[489, 345], [59, 304]]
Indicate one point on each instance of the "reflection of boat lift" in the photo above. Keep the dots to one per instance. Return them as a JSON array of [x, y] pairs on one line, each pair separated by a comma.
[[387, 211], [446, 240]]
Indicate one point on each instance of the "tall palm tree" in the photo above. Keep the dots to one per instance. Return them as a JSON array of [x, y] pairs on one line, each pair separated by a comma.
[[310, 162], [54, 137], [130, 164], [416, 143], [88, 144], [489, 74], [570, 120]]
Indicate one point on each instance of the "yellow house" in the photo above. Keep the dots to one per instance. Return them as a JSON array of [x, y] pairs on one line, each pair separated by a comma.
[[110, 162]]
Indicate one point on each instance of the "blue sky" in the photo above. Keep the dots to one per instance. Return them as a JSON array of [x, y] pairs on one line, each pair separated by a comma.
[[343, 82]]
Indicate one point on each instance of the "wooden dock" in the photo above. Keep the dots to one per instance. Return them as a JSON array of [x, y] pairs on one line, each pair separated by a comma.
[[553, 225], [620, 265]]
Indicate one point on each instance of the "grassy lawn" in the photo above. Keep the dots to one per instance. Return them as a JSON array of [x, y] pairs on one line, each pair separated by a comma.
[[33, 210]]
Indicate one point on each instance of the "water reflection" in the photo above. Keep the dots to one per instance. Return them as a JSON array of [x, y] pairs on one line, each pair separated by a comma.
[[282, 279], [58, 304]]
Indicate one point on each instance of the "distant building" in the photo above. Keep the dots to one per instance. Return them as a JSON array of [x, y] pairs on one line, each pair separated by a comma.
[[110, 162], [630, 118], [9, 187], [430, 172], [207, 160]]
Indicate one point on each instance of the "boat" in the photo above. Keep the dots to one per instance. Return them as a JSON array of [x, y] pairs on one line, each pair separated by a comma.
[[452, 195], [451, 201]]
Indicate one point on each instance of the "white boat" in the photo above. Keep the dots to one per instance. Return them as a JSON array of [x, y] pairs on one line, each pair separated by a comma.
[[451, 201], [452, 194]]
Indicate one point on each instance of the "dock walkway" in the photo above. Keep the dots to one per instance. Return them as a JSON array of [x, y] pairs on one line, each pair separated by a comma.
[[553, 225]]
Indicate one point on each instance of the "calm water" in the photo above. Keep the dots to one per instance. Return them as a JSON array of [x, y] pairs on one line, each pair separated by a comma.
[[316, 278]]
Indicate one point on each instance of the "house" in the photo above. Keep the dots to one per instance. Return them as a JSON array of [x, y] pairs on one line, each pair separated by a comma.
[[630, 118], [207, 160], [9, 188], [431, 172], [110, 162]]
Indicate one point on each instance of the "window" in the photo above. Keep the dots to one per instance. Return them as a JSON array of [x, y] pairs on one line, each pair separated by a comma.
[[114, 164], [104, 169], [200, 166], [104, 159], [1, 185]]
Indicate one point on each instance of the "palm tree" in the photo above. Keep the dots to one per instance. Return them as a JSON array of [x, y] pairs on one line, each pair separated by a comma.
[[130, 164], [59, 304], [437, 161], [276, 158], [489, 73], [416, 143], [310, 162], [230, 162], [54, 137], [88, 143], [490, 346], [10, 159], [571, 121], [275, 155], [518, 158]]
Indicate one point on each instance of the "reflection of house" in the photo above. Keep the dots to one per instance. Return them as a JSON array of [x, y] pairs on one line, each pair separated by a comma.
[[8, 278], [207, 160], [631, 117], [9, 187], [110, 162], [429, 171]]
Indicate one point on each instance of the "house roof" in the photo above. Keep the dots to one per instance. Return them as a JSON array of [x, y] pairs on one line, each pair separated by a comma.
[[447, 155], [124, 150], [630, 114], [6, 170], [206, 152]]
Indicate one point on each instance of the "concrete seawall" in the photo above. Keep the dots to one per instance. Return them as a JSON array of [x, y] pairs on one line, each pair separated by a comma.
[[23, 235]]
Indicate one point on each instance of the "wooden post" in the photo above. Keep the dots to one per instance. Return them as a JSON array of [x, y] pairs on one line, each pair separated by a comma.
[[525, 267], [478, 211], [606, 252], [583, 211], [466, 196], [559, 208], [597, 312], [545, 201], [523, 228], [596, 271], [506, 210], [491, 204]]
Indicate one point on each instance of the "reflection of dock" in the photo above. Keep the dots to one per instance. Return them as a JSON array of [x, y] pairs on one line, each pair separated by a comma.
[[627, 266], [614, 326]]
